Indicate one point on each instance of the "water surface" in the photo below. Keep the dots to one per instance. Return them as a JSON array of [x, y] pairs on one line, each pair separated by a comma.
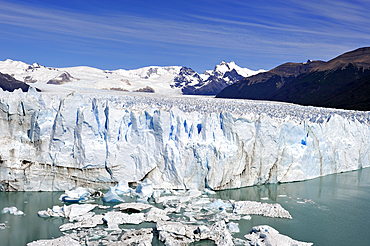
[[331, 210]]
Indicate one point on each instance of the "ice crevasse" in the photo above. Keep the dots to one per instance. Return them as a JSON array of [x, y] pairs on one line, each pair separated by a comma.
[[52, 141]]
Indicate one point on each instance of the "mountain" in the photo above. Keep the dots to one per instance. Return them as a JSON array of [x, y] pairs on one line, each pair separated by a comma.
[[211, 82], [171, 80], [339, 83], [8, 83]]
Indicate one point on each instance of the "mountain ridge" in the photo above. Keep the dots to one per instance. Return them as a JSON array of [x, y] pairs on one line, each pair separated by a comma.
[[313, 83], [168, 80]]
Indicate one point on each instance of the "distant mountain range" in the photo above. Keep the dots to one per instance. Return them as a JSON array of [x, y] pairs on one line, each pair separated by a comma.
[[343, 82], [170, 80]]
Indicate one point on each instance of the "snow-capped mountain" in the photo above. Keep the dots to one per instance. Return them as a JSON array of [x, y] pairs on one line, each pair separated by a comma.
[[171, 80], [211, 81]]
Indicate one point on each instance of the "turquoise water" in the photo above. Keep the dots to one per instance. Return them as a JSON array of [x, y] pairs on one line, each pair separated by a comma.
[[331, 210]]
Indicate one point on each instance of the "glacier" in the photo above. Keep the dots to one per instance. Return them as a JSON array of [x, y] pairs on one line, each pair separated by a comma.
[[58, 141]]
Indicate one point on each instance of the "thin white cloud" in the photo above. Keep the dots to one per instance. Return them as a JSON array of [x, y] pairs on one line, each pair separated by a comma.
[[327, 28]]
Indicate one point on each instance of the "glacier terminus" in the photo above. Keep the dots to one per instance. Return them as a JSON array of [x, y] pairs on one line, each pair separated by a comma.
[[59, 141]]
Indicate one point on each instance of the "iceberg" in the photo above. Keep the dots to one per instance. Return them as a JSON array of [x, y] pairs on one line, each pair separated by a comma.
[[111, 196], [12, 210], [265, 235], [56, 142], [144, 189], [71, 211], [63, 240], [77, 195]]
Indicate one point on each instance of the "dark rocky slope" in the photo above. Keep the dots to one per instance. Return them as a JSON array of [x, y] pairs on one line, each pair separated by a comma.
[[342, 82]]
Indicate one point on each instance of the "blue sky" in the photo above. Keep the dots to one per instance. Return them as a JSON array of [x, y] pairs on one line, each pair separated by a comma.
[[198, 34]]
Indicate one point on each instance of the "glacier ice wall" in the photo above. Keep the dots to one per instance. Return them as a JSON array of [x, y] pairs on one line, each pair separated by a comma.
[[56, 142]]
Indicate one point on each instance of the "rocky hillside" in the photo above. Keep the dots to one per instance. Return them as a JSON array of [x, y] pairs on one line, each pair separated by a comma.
[[8, 83], [339, 83]]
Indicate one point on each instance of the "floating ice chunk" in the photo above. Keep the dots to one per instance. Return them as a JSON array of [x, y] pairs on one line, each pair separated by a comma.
[[266, 235], [75, 210], [132, 207], [3, 226], [247, 217], [219, 204], [144, 189], [122, 188], [193, 193], [156, 214], [209, 192], [12, 210], [111, 196], [258, 208], [264, 198], [56, 211], [157, 193], [142, 237], [77, 195], [88, 221], [71, 211], [233, 227], [63, 240]]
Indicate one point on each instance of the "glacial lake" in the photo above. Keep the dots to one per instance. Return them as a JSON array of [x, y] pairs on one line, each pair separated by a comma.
[[331, 210]]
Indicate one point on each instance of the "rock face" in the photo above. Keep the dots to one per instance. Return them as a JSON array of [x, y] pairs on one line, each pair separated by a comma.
[[58, 142], [8, 83], [342, 82]]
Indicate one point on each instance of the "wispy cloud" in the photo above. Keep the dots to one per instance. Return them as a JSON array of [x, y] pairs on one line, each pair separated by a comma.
[[321, 28]]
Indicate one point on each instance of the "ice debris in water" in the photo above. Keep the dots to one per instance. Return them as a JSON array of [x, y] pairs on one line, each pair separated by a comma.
[[233, 227], [12, 210], [122, 188], [71, 211], [265, 235], [258, 208], [78, 195], [186, 217], [64, 240], [144, 189], [111, 196]]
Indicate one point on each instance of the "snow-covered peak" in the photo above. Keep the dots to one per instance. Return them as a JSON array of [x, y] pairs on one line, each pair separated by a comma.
[[224, 67], [150, 72], [162, 80]]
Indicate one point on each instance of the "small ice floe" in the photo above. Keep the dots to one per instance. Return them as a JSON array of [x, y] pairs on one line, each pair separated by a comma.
[[247, 217], [77, 195], [177, 233], [133, 207], [209, 192], [3, 226], [264, 198], [282, 195], [71, 211], [258, 208], [12, 210], [233, 227], [122, 188], [266, 235], [144, 189], [103, 207], [219, 204], [63, 240], [143, 237], [111, 196]]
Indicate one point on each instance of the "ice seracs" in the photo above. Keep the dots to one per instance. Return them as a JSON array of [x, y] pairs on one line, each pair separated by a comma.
[[57, 142]]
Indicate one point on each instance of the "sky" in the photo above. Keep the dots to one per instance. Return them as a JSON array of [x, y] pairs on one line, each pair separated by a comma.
[[194, 33]]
